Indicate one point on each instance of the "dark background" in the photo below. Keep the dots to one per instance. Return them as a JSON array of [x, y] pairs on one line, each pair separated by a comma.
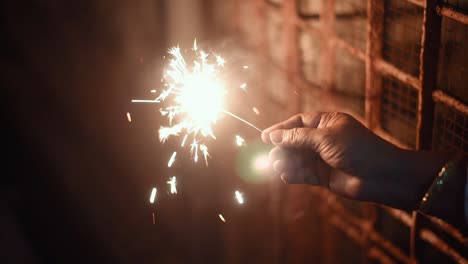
[[76, 175]]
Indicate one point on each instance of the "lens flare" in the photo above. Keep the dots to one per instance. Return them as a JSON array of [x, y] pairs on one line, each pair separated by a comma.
[[261, 162]]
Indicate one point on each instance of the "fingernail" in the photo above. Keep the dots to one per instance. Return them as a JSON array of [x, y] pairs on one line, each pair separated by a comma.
[[276, 136]]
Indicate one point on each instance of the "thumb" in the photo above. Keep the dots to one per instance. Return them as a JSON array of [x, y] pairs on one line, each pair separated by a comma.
[[297, 137]]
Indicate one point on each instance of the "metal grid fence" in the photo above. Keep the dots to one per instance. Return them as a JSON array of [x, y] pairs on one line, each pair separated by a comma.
[[406, 83]]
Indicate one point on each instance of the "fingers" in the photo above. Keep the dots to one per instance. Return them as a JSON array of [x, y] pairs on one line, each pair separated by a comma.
[[299, 138], [299, 167], [302, 176], [310, 120]]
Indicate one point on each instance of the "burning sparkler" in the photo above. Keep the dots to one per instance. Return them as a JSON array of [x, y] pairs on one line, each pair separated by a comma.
[[196, 94]]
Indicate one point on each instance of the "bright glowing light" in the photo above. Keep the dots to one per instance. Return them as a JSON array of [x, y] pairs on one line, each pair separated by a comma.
[[243, 86], [261, 162], [172, 182], [245, 67], [239, 197], [172, 159], [220, 61], [222, 218], [153, 91], [196, 95], [129, 117], [239, 141], [153, 195]]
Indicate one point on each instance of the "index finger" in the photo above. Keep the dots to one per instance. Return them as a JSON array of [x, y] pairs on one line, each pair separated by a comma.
[[300, 120]]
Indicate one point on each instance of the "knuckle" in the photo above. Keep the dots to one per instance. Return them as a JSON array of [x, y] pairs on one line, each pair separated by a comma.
[[294, 136]]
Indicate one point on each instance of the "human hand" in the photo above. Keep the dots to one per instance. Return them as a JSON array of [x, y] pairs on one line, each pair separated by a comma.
[[334, 150]]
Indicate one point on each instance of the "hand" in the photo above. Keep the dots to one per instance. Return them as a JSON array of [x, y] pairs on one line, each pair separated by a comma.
[[334, 150]]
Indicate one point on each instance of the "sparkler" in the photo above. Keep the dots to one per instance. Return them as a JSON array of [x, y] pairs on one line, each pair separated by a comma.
[[196, 95]]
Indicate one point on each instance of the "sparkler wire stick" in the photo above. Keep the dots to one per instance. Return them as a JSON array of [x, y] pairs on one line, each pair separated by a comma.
[[243, 120]]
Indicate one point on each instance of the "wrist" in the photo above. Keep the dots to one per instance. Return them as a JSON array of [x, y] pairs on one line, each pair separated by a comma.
[[445, 197], [415, 171]]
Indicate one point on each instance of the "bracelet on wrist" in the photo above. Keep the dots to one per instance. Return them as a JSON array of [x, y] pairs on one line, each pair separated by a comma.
[[449, 172]]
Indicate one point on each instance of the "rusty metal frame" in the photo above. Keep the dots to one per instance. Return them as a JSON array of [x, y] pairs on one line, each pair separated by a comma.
[[362, 230]]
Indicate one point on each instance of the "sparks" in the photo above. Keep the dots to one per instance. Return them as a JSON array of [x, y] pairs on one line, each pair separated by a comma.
[[239, 197], [153, 195], [184, 140], [245, 67], [243, 86], [153, 91], [239, 141], [256, 110], [220, 61], [222, 218], [129, 117], [195, 93], [189, 88], [172, 182], [172, 159], [204, 150]]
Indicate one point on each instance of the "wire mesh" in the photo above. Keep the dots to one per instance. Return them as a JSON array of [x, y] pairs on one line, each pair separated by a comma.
[[453, 66], [350, 80], [450, 130], [399, 110], [345, 226], [351, 19], [402, 35]]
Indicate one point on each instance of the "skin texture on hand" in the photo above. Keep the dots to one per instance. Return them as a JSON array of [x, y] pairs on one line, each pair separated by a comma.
[[335, 151]]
